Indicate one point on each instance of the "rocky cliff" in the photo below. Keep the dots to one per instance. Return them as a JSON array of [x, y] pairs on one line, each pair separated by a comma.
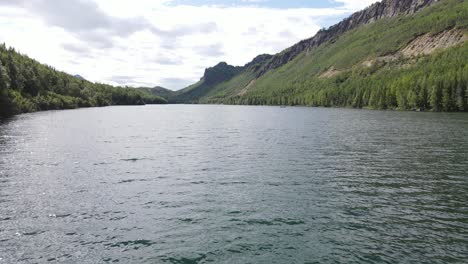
[[220, 73], [383, 9]]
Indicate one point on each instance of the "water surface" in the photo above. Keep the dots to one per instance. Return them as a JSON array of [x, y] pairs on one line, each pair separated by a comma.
[[233, 184]]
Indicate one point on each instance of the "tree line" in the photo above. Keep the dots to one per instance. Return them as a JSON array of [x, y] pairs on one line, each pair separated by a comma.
[[28, 86], [428, 83]]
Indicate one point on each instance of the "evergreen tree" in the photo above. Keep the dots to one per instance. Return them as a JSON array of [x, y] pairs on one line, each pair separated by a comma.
[[4, 78]]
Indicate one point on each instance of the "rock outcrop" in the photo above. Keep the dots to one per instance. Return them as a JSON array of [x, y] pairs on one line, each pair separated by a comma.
[[429, 43], [383, 9], [423, 45], [220, 73]]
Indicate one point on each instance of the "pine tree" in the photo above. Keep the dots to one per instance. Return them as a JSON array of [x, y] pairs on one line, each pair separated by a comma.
[[435, 100], [4, 78], [4, 85]]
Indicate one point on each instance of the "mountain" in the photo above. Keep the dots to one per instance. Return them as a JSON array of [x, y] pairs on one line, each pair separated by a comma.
[[395, 54], [79, 77], [379, 10], [159, 91], [216, 79], [212, 77], [27, 86]]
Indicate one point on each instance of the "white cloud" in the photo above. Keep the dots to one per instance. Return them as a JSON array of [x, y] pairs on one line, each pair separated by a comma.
[[356, 4], [151, 43]]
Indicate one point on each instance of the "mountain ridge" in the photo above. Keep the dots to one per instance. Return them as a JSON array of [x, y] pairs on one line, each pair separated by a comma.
[[215, 75], [264, 63], [383, 9], [356, 50]]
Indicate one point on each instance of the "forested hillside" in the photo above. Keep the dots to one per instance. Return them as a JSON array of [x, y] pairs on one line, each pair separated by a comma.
[[212, 77], [397, 54], [28, 86], [158, 91]]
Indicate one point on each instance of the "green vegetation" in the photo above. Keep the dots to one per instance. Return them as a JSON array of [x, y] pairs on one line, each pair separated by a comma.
[[362, 68], [436, 82], [158, 91], [220, 82], [212, 77], [28, 86]]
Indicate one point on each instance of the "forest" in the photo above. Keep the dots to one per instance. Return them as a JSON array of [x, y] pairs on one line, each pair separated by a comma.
[[426, 82], [435, 83], [28, 86]]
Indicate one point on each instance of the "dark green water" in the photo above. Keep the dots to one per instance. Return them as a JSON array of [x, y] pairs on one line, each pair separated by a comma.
[[232, 184]]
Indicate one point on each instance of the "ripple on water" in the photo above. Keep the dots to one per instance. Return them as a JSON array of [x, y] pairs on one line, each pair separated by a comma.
[[32, 233], [59, 215], [135, 159], [133, 180], [266, 222], [233, 183], [335, 186], [101, 163], [135, 244], [234, 212], [185, 260]]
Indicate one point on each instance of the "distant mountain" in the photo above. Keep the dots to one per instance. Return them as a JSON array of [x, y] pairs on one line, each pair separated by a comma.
[[159, 91], [395, 54], [213, 77], [79, 77]]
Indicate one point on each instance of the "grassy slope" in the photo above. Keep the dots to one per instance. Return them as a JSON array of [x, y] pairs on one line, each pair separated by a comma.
[[229, 88], [200, 92], [377, 39], [300, 76], [213, 76], [190, 93]]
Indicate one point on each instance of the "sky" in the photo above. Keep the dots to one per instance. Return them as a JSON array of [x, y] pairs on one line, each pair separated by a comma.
[[165, 43]]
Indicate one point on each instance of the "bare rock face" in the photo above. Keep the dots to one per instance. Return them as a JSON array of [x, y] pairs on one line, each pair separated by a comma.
[[383, 9], [429, 43], [423, 45]]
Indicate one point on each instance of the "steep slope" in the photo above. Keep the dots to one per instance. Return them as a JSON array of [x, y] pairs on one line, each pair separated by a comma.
[[395, 54], [384, 9], [219, 79], [213, 76], [28, 86]]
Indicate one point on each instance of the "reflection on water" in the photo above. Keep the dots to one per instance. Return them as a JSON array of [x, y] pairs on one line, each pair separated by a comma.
[[233, 184]]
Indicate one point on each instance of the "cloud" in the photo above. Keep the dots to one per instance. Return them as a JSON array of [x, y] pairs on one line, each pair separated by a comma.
[[75, 48], [177, 82], [286, 34], [355, 5], [251, 31], [156, 42], [168, 60], [82, 18], [86, 20], [123, 79], [214, 50]]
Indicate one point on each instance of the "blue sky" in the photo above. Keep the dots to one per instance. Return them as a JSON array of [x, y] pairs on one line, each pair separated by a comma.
[[160, 42]]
